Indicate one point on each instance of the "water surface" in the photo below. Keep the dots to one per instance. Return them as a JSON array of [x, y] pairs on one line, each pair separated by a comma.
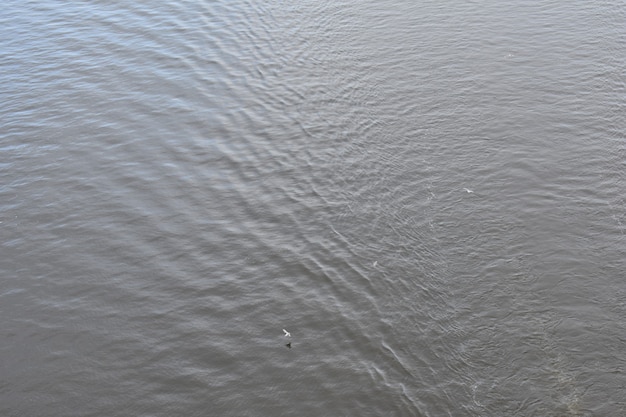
[[428, 195]]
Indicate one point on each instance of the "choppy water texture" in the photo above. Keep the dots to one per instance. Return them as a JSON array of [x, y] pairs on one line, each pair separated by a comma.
[[429, 195]]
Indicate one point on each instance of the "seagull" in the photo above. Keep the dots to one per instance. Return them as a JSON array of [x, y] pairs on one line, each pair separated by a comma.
[[287, 334], [468, 190]]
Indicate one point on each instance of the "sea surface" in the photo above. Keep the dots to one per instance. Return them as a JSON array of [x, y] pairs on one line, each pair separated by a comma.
[[430, 196]]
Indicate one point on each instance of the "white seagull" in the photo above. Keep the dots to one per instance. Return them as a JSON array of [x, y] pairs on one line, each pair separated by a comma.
[[287, 334]]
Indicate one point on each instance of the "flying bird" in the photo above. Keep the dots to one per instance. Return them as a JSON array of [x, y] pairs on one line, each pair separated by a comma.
[[287, 334]]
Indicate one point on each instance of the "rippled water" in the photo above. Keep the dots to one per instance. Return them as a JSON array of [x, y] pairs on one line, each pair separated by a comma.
[[429, 195]]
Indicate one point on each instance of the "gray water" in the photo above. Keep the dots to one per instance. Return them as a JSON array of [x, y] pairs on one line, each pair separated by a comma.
[[429, 195]]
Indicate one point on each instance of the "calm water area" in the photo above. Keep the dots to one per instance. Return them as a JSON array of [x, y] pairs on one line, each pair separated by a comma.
[[430, 196]]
